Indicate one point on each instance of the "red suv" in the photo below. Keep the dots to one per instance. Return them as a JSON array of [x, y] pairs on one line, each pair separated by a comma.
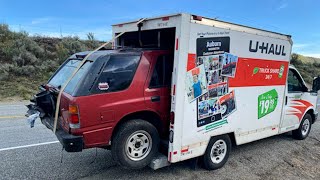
[[119, 99]]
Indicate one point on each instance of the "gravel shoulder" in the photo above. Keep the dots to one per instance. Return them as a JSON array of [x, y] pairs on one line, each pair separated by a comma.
[[278, 157]]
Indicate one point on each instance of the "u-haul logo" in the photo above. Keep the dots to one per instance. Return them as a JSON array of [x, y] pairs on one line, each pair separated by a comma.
[[266, 48]]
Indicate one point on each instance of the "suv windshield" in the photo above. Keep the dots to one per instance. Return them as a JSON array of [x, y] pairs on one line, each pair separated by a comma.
[[66, 71]]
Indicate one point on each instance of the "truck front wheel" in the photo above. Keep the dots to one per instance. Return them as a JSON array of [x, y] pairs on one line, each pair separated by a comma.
[[217, 152], [135, 144], [304, 128]]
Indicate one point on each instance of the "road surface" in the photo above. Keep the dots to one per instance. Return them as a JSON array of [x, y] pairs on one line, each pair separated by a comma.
[[34, 153]]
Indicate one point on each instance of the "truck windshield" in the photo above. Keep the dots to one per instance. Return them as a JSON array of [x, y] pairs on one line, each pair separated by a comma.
[[66, 71]]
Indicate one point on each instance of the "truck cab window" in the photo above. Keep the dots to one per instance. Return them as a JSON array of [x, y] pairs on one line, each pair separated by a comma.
[[295, 83], [117, 74], [162, 73]]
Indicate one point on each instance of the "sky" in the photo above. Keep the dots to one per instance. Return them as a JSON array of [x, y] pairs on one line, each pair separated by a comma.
[[56, 18]]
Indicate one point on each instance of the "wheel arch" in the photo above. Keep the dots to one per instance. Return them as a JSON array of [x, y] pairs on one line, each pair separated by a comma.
[[311, 112], [149, 116], [232, 138]]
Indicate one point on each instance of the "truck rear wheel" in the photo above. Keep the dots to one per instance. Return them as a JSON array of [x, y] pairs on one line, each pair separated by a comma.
[[304, 128], [135, 144], [217, 152]]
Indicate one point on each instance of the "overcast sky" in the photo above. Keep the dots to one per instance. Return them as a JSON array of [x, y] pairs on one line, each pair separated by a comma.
[[301, 19]]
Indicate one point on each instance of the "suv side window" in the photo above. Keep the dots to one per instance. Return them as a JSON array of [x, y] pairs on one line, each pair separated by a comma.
[[295, 83], [162, 73], [117, 74]]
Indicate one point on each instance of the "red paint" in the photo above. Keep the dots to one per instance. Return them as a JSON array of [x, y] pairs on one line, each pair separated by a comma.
[[274, 129], [191, 61], [177, 44], [165, 19], [170, 156], [245, 75], [175, 152], [100, 113], [299, 105], [184, 150]]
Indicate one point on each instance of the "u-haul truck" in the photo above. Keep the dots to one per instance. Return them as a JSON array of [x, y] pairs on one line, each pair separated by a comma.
[[229, 81], [193, 83]]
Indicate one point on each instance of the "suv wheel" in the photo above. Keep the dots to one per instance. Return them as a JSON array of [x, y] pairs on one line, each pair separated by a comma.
[[135, 144]]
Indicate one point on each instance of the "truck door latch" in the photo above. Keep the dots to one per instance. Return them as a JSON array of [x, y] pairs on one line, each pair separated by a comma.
[[286, 101]]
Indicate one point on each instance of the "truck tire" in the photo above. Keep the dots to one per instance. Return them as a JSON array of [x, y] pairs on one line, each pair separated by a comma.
[[135, 144], [304, 128], [217, 152]]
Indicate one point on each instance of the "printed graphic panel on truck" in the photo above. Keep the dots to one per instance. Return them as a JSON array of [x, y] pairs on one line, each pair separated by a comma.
[[207, 79]]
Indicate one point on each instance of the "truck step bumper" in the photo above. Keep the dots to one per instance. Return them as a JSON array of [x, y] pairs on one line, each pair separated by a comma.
[[70, 142], [159, 161]]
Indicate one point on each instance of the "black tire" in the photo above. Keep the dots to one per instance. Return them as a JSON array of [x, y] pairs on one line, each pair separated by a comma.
[[124, 150], [208, 162], [304, 128]]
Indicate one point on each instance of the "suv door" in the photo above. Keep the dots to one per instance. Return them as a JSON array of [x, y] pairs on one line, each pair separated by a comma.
[[294, 103], [157, 90]]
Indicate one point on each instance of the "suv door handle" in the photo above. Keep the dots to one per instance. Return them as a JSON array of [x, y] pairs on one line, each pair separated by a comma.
[[155, 98]]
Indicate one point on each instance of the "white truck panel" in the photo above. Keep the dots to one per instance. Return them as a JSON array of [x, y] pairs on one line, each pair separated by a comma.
[[245, 126], [227, 78]]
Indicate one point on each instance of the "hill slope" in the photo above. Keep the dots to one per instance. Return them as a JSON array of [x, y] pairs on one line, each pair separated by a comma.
[[28, 61], [309, 67]]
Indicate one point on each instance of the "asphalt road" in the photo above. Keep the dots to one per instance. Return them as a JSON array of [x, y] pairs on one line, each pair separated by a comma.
[[22, 157]]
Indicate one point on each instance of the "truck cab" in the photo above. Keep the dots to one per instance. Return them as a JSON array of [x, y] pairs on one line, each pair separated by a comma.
[[299, 101]]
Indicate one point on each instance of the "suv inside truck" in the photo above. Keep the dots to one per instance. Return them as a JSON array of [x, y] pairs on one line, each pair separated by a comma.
[[119, 99]]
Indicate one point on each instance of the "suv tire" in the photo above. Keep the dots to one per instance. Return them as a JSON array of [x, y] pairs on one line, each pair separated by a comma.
[[135, 144]]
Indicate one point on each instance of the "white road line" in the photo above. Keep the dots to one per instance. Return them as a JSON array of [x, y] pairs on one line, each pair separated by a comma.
[[30, 145]]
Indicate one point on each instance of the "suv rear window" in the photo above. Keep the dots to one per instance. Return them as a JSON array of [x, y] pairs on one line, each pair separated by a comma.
[[66, 71], [117, 74]]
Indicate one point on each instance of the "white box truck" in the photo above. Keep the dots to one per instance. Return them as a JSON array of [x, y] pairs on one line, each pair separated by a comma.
[[193, 83], [229, 82]]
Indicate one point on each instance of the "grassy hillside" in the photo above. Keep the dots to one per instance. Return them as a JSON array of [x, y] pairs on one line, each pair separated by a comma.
[[309, 67], [28, 61]]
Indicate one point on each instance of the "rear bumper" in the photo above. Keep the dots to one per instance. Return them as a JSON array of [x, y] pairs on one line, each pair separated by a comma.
[[70, 142]]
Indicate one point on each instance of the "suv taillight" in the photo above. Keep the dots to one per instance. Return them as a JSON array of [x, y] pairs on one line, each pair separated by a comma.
[[74, 116]]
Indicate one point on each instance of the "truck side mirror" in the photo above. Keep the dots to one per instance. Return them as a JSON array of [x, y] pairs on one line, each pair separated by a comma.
[[316, 84]]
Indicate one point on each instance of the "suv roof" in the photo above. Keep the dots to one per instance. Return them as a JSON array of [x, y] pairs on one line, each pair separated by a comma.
[[97, 54]]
